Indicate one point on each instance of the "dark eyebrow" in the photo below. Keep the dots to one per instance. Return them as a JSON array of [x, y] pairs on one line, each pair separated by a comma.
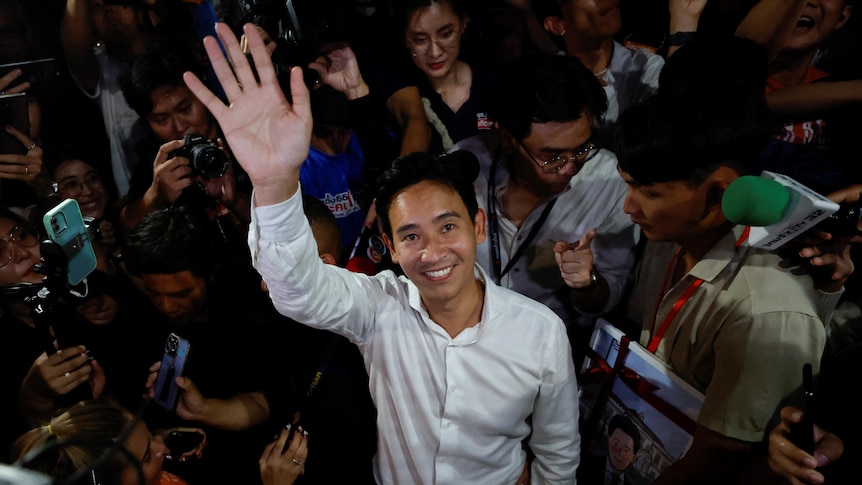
[[67, 177], [445, 215]]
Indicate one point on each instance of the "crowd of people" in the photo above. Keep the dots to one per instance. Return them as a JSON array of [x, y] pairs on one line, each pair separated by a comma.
[[385, 231]]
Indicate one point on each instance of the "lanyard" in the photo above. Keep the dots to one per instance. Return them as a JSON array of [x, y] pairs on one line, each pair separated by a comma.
[[681, 301], [493, 225]]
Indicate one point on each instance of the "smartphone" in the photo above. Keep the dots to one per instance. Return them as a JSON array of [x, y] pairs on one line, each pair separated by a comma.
[[173, 365], [14, 112], [182, 442], [64, 225], [36, 71], [802, 433]]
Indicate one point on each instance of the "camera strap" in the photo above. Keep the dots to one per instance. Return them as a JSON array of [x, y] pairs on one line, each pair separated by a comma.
[[325, 358]]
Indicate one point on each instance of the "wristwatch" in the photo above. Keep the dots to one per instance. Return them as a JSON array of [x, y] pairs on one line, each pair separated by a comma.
[[681, 38], [594, 281]]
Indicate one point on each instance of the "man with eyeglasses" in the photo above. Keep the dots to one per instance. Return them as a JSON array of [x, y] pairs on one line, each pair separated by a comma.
[[552, 194]]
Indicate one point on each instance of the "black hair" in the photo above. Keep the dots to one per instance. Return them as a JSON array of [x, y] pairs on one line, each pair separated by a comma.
[[543, 9], [456, 170], [709, 111], [541, 87], [170, 241], [161, 64], [624, 423], [404, 10], [319, 216]]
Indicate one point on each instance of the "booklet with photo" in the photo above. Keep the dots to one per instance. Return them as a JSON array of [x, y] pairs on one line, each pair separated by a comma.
[[633, 405]]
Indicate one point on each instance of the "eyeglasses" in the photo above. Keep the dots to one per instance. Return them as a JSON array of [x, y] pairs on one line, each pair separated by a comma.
[[580, 156], [73, 187], [23, 235], [445, 41]]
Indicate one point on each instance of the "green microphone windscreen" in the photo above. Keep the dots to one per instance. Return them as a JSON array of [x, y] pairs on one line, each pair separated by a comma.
[[755, 201]]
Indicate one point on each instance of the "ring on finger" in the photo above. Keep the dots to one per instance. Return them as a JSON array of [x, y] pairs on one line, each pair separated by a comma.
[[26, 170], [31, 146], [296, 462], [67, 374]]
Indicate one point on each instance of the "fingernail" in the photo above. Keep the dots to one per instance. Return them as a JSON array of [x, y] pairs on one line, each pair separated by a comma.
[[287, 428]]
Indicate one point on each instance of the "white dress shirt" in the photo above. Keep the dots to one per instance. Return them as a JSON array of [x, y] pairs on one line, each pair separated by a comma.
[[592, 200], [450, 410]]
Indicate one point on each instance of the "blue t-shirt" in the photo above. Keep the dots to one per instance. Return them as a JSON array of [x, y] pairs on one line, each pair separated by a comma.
[[337, 181]]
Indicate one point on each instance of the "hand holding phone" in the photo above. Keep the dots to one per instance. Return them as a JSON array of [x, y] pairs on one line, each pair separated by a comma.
[[172, 366], [802, 433]]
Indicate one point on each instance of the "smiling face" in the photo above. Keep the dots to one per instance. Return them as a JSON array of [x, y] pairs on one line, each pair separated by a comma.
[[434, 240], [177, 112], [438, 28], [819, 19], [546, 141], [620, 450], [80, 181]]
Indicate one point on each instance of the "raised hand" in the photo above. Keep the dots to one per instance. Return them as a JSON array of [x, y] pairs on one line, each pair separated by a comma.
[[268, 135], [340, 70]]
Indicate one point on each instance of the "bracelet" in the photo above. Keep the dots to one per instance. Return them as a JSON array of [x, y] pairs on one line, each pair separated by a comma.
[[681, 38], [594, 281]]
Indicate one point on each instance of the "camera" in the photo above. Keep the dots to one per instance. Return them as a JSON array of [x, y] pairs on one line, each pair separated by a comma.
[[172, 344], [205, 156], [303, 30]]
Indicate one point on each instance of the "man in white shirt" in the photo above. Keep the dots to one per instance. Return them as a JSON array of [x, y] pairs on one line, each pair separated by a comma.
[[461, 370], [544, 179]]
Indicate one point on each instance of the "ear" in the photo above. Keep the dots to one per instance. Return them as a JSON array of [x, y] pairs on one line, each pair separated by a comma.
[[718, 182], [328, 259], [845, 16], [390, 247], [554, 25], [479, 226]]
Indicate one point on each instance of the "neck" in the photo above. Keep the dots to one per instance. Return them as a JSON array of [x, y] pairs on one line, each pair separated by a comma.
[[596, 55], [790, 69], [450, 80], [334, 143], [462, 312], [695, 248]]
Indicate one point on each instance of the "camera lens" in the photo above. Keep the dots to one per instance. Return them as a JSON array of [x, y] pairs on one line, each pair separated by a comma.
[[209, 161]]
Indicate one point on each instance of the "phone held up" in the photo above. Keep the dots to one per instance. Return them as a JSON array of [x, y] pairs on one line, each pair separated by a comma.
[[65, 226], [14, 112], [173, 366]]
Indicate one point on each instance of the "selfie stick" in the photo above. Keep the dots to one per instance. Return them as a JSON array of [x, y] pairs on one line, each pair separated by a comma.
[[46, 309]]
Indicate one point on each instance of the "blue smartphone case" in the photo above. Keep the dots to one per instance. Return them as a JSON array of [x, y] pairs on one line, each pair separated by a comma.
[[65, 226], [173, 365]]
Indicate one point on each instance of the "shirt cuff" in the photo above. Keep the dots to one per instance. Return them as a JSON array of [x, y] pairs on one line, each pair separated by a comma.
[[273, 222]]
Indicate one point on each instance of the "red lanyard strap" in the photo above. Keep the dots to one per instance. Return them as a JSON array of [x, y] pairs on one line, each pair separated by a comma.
[[658, 334]]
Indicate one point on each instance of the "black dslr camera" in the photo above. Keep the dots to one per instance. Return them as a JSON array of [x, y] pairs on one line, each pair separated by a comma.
[[205, 156]]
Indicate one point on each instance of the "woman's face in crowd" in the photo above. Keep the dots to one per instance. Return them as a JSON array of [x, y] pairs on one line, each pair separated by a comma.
[[433, 36], [18, 256], [79, 180], [150, 452]]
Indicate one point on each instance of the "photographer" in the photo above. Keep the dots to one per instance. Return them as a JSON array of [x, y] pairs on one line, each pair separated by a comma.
[[154, 88]]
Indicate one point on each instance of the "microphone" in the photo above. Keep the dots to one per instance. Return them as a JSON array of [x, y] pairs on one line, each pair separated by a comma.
[[776, 207]]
